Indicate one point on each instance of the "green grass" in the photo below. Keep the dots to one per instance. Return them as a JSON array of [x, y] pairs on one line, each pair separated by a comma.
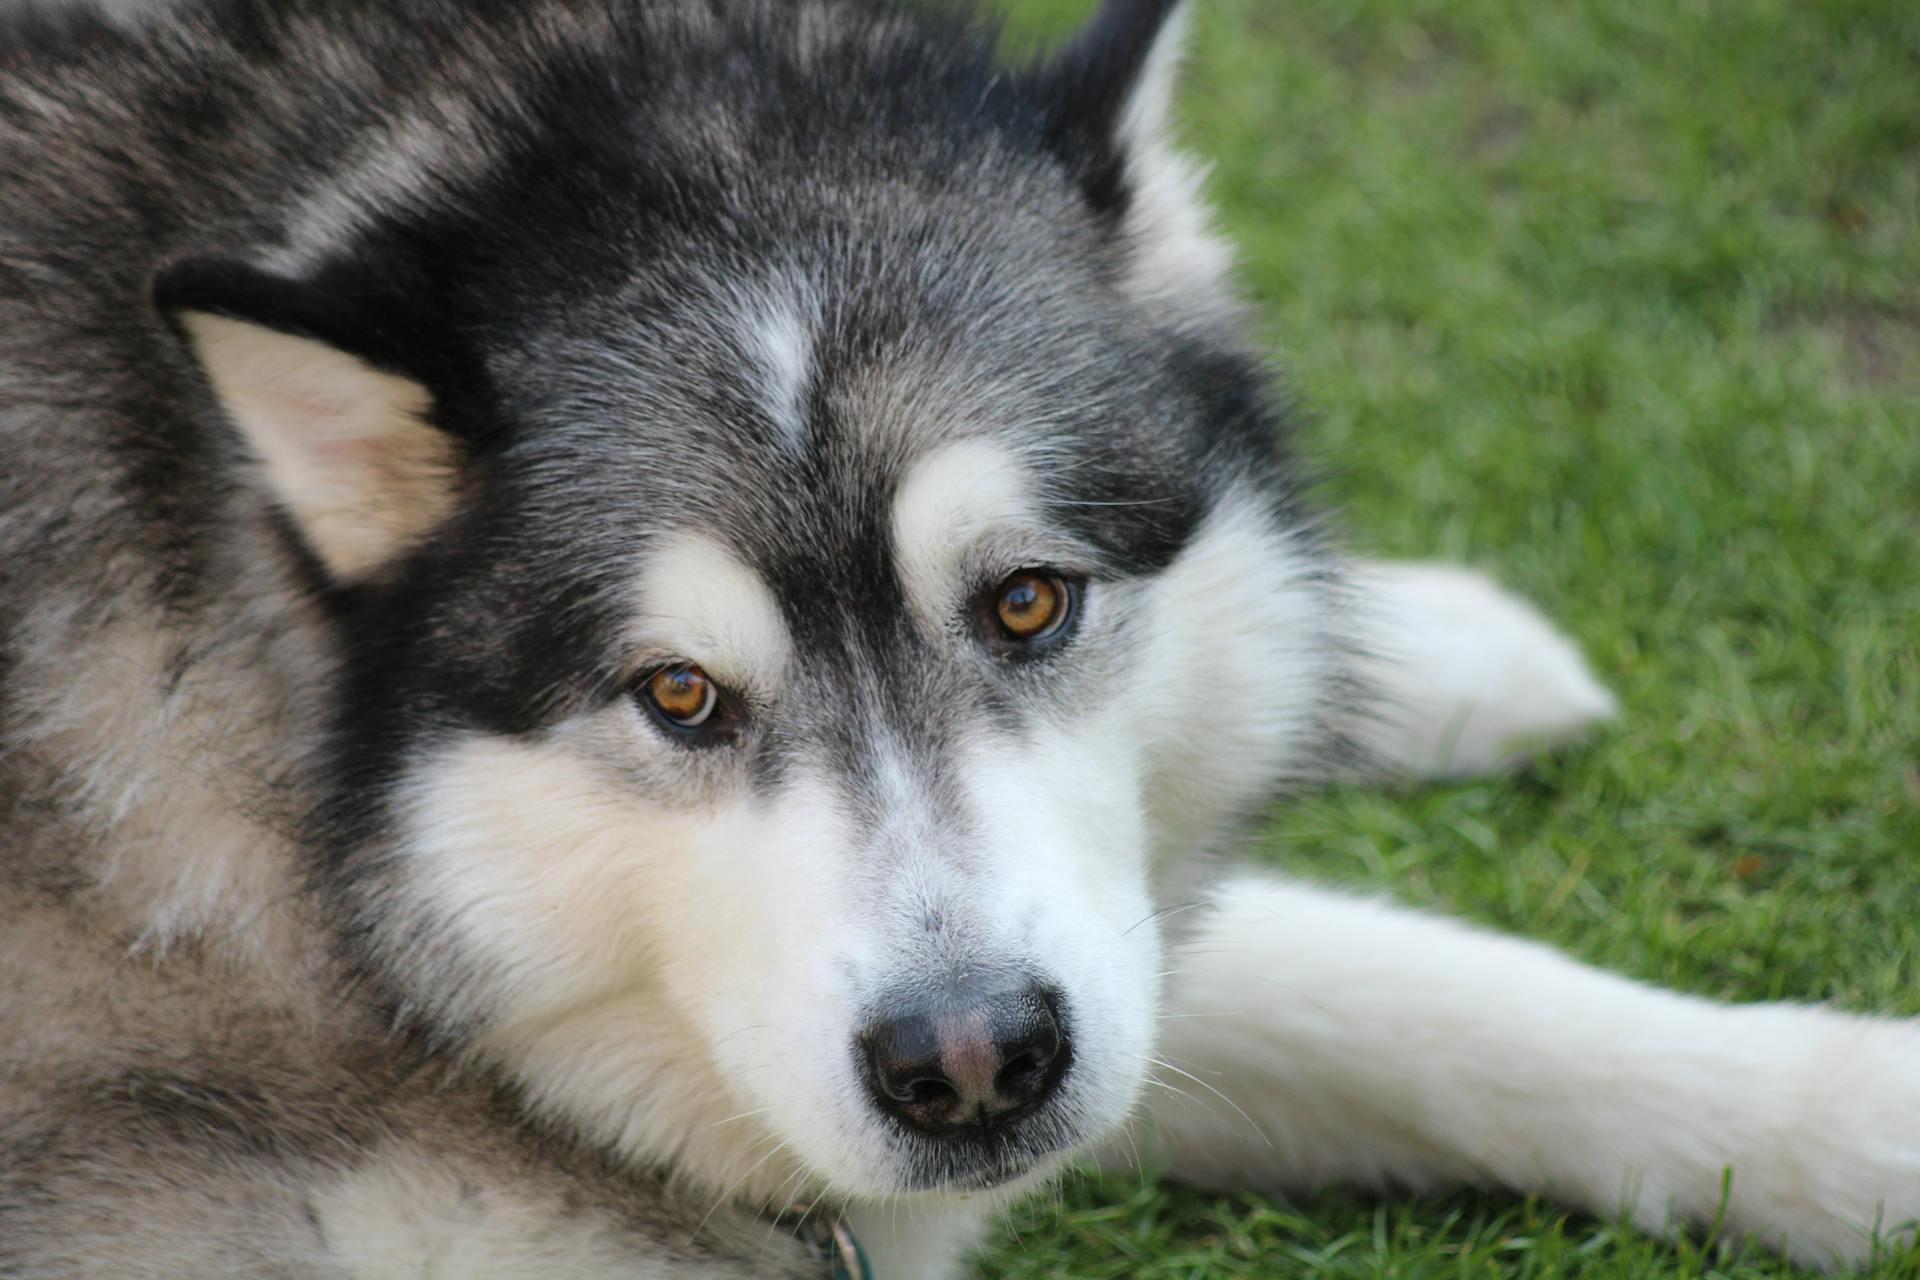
[[1621, 301]]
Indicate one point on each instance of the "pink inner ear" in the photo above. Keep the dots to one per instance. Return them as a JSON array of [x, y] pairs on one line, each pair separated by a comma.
[[346, 447], [318, 405], [350, 449]]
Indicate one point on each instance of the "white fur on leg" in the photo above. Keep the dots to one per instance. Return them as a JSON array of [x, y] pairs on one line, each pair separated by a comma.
[[1360, 1042], [1472, 678]]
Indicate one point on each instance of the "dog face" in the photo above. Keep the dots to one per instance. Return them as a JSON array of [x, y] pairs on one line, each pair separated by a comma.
[[771, 679]]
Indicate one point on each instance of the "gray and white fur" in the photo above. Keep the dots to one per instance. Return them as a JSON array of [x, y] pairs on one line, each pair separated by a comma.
[[404, 406]]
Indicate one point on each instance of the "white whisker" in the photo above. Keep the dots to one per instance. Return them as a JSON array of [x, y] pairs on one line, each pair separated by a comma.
[[1161, 1062], [757, 1111], [737, 1183]]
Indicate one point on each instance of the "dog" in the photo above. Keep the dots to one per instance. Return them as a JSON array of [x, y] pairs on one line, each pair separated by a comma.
[[636, 633]]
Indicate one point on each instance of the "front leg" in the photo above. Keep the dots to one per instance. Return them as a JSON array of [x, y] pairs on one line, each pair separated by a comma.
[[1351, 1041]]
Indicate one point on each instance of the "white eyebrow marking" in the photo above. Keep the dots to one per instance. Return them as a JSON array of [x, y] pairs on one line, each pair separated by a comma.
[[700, 601], [951, 499]]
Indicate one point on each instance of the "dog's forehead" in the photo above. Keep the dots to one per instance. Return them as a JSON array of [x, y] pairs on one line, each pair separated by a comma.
[[789, 405], [847, 599], [966, 505]]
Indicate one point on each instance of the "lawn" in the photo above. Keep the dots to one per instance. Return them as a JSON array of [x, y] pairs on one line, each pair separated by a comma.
[[1620, 301]]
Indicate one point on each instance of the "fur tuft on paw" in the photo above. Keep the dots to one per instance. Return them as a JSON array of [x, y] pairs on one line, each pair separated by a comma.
[[1470, 678]]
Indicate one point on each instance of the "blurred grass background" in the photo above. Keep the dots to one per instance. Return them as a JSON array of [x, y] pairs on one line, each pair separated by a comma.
[[1620, 300]]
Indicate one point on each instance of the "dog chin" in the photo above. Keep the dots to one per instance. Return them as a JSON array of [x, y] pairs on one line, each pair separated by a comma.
[[993, 1184], [1001, 1169]]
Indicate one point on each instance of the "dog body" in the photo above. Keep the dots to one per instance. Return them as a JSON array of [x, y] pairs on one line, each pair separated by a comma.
[[622, 621]]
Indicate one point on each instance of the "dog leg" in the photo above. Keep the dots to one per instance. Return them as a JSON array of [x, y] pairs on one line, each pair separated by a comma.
[[1317, 1038], [1470, 677]]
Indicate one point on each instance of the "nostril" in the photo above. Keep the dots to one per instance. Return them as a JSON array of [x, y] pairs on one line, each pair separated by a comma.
[[1017, 1076], [1031, 1047], [930, 1092], [904, 1071]]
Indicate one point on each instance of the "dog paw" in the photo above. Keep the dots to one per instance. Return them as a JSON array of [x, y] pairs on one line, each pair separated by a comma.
[[1842, 1178], [1471, 678]]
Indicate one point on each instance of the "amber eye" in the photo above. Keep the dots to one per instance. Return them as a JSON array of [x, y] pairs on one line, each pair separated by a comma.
[[1033, 606], [683, 695]]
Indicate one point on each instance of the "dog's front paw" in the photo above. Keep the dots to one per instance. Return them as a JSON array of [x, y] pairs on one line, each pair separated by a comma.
[[1471, 678], [1840, 1177]]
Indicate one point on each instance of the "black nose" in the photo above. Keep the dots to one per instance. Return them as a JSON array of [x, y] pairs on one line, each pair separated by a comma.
[[968, 1060]]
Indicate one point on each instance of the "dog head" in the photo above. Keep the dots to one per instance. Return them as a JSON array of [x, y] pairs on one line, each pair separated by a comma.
[[807, 545]]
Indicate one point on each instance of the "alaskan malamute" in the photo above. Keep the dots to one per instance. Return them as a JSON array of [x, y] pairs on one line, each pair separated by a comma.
[[628, 628]]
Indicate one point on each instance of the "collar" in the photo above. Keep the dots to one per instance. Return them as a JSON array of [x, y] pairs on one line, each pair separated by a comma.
[[832, 1241]]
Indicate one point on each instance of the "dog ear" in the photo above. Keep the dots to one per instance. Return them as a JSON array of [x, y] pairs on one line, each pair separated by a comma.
[[341, 434], [1110, 117], [1112, 86]]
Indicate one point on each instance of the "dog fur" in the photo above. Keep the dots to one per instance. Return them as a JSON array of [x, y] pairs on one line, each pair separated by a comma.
[[389, 392]]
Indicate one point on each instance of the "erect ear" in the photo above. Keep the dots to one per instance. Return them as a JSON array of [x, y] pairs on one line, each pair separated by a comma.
[[1110, 109], [342, 438], [1113, 83]]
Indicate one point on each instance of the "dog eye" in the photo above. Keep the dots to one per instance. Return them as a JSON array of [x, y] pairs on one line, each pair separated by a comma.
[[1033, 605], [682, 695]]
